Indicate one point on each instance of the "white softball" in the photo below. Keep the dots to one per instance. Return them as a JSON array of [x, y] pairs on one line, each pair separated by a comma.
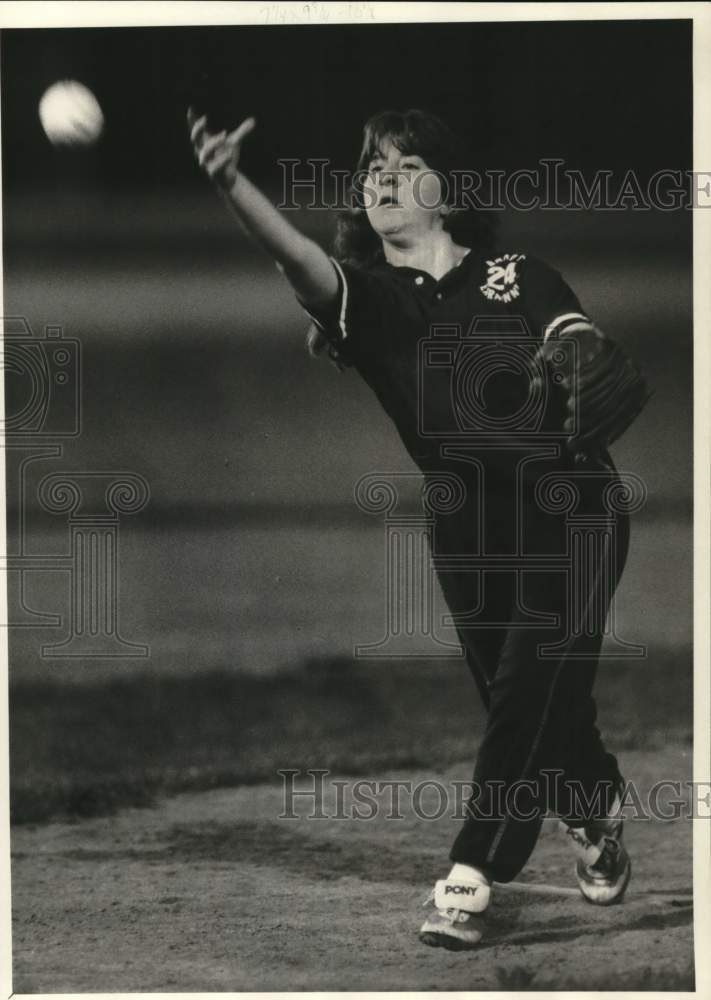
[[70, 114]]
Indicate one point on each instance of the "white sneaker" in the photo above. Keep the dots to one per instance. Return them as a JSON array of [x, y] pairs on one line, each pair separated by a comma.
[[458, 919]]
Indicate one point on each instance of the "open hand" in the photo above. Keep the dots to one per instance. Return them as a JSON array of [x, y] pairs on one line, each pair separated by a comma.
[[218, 153]]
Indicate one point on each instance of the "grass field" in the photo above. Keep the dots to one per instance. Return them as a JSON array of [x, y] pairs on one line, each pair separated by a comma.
[[86, 749], [251, 629]]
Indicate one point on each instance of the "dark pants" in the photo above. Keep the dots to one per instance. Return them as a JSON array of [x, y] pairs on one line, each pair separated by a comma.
[[541, 749]]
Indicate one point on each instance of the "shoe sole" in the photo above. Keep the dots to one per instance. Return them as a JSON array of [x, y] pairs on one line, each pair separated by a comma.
[[617, 898], [435, 940]]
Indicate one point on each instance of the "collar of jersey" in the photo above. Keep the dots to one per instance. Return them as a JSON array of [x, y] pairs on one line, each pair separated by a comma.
[[406, 272]]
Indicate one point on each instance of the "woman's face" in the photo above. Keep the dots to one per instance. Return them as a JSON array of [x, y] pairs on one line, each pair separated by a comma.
[[403, 196]]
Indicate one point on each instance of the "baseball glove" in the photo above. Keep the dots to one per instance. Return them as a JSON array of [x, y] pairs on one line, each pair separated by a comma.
[[606, 391]]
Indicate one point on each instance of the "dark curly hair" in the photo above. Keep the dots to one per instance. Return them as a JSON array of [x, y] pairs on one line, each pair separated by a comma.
[[418, 133]]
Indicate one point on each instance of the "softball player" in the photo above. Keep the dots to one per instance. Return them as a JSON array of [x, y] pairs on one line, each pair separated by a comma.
[[454, 339]]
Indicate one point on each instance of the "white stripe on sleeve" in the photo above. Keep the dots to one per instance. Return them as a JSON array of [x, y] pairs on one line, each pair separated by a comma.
[[344, 299], [560, 323], [344, 304]]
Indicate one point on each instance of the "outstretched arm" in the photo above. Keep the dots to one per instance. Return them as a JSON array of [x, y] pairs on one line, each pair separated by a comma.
[[303, 262]]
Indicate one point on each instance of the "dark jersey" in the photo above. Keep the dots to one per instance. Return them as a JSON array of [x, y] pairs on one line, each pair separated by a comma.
[[449, 360]]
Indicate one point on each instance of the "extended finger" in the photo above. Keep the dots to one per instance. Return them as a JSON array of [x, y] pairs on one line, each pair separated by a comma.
[[197, 129], [209, 146], [247, 126]]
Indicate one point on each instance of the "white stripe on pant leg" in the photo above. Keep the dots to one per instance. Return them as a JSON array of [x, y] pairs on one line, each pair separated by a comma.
[[537, 739]]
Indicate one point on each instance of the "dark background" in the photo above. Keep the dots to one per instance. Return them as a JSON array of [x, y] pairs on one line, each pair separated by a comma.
[[251, 552], [603, 95], [251, 574]]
